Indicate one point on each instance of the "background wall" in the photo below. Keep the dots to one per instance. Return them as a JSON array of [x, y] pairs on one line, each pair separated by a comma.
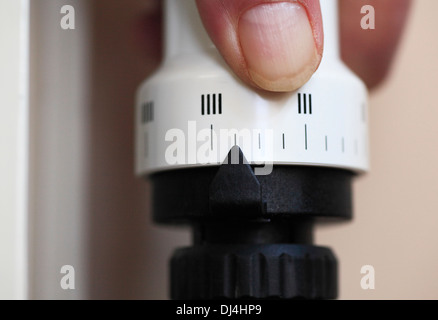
[[59, 139], [14, 148], [395, 228], [119, 252]]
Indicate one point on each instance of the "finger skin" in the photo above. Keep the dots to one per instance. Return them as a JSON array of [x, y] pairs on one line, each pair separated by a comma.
[[147, 33], [221, 20], [369, 53]]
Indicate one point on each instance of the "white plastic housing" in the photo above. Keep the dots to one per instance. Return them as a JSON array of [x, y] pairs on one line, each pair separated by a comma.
[[194, 109]]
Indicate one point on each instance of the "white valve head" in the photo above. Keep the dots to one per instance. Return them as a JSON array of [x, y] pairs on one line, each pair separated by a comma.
[[194, 109]]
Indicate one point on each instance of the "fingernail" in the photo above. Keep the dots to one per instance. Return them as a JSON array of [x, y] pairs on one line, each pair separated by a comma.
[[278, 45]]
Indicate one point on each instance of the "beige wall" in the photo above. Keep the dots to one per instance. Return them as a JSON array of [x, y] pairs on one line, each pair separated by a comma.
[[395, 228]]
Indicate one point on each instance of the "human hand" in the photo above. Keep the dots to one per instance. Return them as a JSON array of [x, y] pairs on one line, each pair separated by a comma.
[[278, 45]]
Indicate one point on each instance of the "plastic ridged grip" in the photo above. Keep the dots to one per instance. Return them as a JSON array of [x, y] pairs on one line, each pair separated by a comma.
[[271, 271]]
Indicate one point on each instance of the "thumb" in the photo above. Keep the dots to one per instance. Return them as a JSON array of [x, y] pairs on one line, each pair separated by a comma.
[[270, 44]]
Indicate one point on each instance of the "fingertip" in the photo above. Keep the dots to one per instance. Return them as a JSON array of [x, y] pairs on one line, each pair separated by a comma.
[[272, 45]]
